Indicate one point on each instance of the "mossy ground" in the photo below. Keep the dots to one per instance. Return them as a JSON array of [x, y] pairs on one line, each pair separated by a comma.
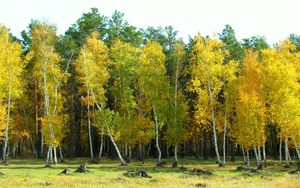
[[108, 173]]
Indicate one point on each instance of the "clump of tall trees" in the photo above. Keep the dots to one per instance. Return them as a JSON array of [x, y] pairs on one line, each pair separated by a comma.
[[108, 89]]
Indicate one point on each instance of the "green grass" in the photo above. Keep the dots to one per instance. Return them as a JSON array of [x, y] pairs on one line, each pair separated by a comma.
[[108, 173]]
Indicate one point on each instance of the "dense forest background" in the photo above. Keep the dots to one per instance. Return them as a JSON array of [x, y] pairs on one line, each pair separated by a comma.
[[108, 89]]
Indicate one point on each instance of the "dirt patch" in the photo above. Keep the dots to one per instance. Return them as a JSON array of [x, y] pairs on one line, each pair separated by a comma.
[[137, 174]]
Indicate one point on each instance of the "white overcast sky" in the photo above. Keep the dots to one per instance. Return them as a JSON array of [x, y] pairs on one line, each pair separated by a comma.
[[274, 19]]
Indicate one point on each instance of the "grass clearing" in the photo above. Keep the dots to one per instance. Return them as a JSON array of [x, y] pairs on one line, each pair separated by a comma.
[[108, 173]]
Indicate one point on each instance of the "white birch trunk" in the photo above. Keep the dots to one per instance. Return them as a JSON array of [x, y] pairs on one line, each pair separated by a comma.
[[175, 107], [117, 149], [213, 121], [55, 156], [157, 136], [280, 151], [244, 156], [5, 146], [296, 147], [51, 155], [259, 157], [287, 153], [224, 134], [256, 155], [101, 146], [89, 129], [248, 159], [48, 158], [264, 155]]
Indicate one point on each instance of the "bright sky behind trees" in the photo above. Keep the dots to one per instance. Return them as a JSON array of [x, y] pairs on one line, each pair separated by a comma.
[[275, 19]]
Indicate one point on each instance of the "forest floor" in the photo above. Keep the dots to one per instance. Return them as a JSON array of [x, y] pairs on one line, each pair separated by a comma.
[[108, 173]]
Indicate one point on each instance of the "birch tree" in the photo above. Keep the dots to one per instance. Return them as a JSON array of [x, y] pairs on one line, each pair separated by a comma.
[[124, 74], [46, 69], [11, 68], [176, 130], [207, 77], [93, 74], [92, 66], [154, 85], [281, 76], [250, 130]]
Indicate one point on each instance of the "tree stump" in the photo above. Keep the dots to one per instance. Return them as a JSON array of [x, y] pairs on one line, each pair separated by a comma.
[[199, 171], [182, 168], [297, 170], [137, 173], [82, 168], [175, 164], [124, 164], [66, 171]]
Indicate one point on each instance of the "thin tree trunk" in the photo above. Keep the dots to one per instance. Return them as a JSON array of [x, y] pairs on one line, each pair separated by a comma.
[[248, 159], [205, 148], [129, 153], [167, 150], [125, 151], [175, 154], [55, 156], [280, 150], [175, 109], [101, 146], [14, 149], [33, 147], [149, 148], [213, 122], [232, 151], [296, 147], [298, 153], [244, 156], [61, 154], [48, 158], [42, 144], [287, 153], [157, 136], [196, 143], [224, 135], [141, 152], [46, 115], [259, 157], [51, 155], [256, 156], [264, 156], [117, 149], [7, 121], [89, 129], [290, 159]]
